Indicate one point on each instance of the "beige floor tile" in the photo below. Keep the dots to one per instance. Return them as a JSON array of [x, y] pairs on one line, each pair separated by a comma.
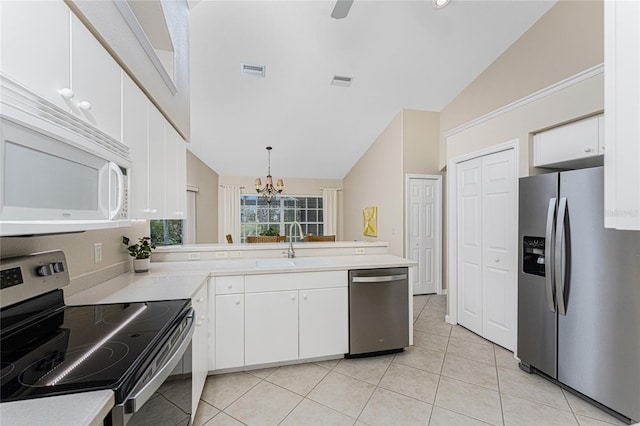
[[421, 358], [263, 373], [342, 393], [264, 404], [204, 413], [223, 419], [505, 359], [474, 372], [430, 341], [442, 417], [437, 304], [430, 324], [459, 332], [522, 412], [469, 400], [330, 364], [299, 378], [470, 350], [310, 413], [589, 421], [583, 408], [411, 382], [369, 369], [419, 302], [531, 387], [222, 390], [389, 408]]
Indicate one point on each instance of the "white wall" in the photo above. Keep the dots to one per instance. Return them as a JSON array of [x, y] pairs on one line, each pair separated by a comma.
[[205, 179]]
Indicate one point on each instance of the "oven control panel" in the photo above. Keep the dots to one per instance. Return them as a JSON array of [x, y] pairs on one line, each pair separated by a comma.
[[29, 276]]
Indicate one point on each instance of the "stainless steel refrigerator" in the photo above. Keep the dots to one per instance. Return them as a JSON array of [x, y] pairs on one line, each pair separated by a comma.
[[578, 290]]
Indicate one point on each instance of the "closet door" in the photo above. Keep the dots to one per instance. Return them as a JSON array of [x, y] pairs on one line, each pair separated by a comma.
[[499, 248], [469, 178]]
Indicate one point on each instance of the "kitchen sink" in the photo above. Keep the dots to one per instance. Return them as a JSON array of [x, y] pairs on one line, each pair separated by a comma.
[[280, 263]]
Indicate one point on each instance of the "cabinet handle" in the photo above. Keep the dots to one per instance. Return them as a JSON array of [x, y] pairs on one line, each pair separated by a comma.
[[200, 300], [497, 259], [304, 297], [66, 93], [153, 211], [293, 298], [202, 317], [199, 324], [229, 285], [179, 213], [237, 301], [84, 105], [587, 149]]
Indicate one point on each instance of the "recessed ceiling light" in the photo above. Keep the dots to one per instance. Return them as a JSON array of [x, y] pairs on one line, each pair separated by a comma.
[[341, 81], [439, 4], [253, 70]]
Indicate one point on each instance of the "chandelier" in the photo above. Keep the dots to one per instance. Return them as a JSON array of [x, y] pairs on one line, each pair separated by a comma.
[[269, 192]]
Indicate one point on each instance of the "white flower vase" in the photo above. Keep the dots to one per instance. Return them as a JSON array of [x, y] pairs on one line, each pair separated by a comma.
[[141, 265]]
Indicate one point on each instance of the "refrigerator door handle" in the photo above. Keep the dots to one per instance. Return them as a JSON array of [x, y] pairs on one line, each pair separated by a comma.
[[562, 210], [548, 259]]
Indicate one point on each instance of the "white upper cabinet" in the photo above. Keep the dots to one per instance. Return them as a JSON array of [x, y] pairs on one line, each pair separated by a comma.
[[176, 175], [576, 144], [622, 108], [156, 155], [34, 38], [95, 81]]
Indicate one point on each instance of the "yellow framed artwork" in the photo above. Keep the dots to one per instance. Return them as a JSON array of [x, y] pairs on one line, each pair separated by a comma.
[[370, 221]]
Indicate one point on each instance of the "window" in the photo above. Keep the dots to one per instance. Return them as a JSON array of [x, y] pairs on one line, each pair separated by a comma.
[[257, 216], [167, 232]]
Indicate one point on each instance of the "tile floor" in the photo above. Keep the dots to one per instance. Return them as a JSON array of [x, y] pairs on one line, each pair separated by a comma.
[[449, 377]]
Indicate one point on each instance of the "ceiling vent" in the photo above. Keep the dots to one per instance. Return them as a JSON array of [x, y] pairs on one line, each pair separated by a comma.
[[253, 70], [341, 81]]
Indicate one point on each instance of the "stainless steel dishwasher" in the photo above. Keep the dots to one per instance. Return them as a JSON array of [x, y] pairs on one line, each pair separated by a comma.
[[378, 311]]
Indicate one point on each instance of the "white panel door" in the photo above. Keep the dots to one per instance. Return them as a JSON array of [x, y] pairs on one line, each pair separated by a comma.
[[324, 322], [470, 244], [229, 331], [271, 327], [423, 246], [498, 248], [35, 46]]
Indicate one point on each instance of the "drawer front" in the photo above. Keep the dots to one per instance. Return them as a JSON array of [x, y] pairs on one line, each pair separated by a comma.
[[230, 285], [295, 281]]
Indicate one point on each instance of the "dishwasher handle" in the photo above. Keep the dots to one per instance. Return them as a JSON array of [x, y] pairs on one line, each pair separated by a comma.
[[379, 278]]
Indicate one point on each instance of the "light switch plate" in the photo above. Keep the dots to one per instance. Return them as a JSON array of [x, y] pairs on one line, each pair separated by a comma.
[[221, 254], [236, 254], [360, 251], [193, 256]]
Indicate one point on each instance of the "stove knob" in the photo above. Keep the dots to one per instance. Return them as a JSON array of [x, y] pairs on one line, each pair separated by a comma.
[[58, 267], [44, 270]]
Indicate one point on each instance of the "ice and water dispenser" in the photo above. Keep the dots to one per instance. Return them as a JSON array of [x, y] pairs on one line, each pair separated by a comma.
[[533, 255]]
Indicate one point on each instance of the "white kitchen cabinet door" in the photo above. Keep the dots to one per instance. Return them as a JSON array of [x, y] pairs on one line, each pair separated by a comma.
[[156, 155], [622, 106], [499, 248], [35, 46], [271, 327], [181, 178], [95, 82], [230, 331], [199, 346], [470, 245], [175, 174], [573, 144], [135, 136], [324, 322]]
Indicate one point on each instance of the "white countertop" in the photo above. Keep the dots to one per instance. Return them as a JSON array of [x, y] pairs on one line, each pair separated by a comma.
[[165, 280], [271, 246], [86, 408]]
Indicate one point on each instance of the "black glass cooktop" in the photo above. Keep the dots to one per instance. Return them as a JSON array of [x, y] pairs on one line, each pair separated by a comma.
[[80, 348]]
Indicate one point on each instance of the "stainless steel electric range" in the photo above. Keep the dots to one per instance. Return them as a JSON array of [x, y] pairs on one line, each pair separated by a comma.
[[50, 349]]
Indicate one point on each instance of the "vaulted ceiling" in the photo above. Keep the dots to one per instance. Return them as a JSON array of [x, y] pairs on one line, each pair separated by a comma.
[[401, 54]]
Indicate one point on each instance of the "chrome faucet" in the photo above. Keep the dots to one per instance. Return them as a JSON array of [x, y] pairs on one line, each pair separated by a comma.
[[291, 252]]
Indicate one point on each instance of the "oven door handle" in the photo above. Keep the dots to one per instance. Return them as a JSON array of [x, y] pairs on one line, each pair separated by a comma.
[[140, 396]]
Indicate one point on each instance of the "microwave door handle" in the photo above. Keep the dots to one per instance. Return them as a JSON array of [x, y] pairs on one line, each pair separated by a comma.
[[560, 222], [116, 169], [548, 256]]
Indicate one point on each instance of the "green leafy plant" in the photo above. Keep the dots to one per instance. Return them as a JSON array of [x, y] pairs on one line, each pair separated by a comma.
[[140, 250], [271, 232]]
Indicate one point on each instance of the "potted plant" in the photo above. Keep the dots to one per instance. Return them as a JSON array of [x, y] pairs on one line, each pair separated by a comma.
[[141, 252], [271, 232]]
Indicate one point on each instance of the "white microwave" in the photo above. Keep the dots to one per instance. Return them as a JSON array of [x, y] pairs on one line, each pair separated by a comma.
[[50, 185]]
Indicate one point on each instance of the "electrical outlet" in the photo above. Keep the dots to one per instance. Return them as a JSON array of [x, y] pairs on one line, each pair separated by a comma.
[[360, 251], [97, 253], [236, 254], [193, 256], [221, 255]]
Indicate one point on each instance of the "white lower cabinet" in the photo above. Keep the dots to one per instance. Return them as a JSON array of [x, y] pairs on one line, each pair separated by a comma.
[[323, 321], [199, 346], [271, 327], [229, 331]]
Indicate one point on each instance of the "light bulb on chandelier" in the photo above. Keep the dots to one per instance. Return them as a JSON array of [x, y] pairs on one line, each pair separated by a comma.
[[269, 192]]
